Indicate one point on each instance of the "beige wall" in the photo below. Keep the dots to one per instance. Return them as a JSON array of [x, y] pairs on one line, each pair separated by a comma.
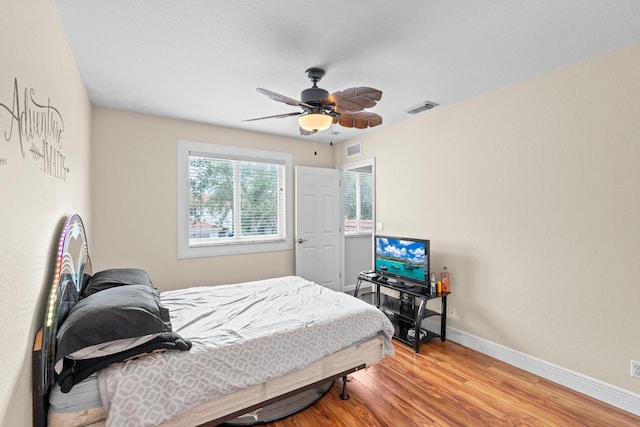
[[34, 197], [530, 196], [134, 208]]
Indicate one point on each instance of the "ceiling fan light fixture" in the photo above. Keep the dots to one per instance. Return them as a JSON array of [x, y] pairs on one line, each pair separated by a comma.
[[315, 122]]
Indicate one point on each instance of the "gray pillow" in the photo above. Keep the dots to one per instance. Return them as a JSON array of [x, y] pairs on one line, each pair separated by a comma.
[[109, 315], [113, 277]]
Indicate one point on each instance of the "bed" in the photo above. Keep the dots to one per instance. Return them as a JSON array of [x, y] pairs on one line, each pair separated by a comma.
[[113, 351]]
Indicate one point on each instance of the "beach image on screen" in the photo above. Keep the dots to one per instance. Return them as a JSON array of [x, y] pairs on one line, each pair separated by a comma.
[[398, 257]]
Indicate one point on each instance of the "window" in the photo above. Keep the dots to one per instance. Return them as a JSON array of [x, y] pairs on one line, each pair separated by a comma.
[[232, 200], [358, 201]]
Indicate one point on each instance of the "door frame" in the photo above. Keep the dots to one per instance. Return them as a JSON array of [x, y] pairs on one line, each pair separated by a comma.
[[371, 161]]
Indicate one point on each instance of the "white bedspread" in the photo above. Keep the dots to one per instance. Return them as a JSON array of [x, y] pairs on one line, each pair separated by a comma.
[[242, 335]]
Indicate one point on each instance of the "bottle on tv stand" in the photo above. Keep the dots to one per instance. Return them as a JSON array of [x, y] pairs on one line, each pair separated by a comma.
[[432, 284], [444, 278]]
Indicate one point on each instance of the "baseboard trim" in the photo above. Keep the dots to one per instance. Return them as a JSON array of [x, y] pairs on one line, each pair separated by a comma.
[[592, 387]]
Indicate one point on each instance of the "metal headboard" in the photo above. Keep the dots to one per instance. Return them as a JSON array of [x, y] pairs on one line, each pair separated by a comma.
[[72, 269]]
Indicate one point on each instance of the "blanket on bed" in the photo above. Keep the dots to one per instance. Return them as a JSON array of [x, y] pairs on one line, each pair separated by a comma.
[[242, 335]]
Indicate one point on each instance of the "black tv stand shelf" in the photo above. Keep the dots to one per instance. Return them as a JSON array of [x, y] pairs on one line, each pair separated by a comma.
[[403, 310]]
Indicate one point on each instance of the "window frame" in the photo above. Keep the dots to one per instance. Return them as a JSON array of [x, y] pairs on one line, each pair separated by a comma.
[[186, 148]]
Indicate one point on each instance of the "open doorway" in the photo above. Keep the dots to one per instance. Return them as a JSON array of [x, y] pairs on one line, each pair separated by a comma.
[[358, 192]]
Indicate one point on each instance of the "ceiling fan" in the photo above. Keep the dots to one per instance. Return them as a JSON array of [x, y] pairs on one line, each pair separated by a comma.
[[320, 109]]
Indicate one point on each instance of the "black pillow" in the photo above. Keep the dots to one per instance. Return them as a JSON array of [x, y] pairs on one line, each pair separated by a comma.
[[113, 277], [75, 371], [112, 314]]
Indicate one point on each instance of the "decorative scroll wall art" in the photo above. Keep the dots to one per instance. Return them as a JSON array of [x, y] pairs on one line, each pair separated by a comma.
[[34, 129]]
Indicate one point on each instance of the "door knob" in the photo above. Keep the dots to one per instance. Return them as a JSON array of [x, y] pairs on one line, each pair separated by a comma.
[[302, 240]]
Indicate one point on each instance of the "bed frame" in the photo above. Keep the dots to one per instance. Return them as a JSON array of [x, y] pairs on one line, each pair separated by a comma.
[[73, 267]]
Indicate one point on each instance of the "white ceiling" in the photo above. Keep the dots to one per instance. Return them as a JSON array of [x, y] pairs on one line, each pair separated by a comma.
[[202, 60]]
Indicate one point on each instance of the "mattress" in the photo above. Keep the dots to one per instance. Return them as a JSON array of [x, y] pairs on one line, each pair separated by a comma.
[[81, 407], [243, 336]]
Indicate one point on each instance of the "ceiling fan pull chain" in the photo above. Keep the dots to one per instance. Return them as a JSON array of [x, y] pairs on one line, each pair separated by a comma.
[[331, 143]]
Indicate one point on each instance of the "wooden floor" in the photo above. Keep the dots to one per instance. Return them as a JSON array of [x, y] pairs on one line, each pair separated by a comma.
[[450, 385]]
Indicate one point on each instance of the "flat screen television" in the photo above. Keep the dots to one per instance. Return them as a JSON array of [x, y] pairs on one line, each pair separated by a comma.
[[402, 258]]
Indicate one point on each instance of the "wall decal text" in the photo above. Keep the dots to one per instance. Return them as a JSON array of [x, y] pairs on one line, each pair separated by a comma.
[[40, 126]]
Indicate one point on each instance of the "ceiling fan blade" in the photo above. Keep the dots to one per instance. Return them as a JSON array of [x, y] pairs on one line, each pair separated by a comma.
[[282, 98], [361, 120], [353, 99], [277, 116]]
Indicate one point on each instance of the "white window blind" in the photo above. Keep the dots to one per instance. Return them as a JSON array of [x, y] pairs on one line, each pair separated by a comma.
[[235, 197], [235, 200], [358, 197]]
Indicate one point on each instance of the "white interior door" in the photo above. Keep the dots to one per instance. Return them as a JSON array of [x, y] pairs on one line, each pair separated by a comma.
[[318, 225]]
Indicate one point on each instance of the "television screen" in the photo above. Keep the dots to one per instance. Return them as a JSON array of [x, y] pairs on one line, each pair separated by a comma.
[[402, 258]]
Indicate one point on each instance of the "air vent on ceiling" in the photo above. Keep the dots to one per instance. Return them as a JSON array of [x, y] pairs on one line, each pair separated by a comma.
[[423, 106], [354, 149]]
